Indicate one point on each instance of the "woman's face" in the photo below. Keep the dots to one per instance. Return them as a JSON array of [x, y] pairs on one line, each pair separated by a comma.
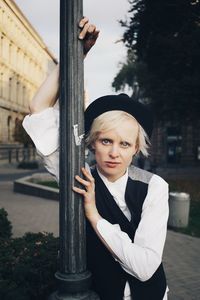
[[115, 148]]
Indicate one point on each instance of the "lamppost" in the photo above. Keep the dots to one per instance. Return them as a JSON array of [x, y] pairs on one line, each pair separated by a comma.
[[73, 278]]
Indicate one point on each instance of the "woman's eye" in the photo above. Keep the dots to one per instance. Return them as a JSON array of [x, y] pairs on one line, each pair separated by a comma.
[[105, 141], [125, 144]]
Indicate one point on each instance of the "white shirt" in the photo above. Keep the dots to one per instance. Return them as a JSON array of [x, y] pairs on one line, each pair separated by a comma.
[[140, 258]]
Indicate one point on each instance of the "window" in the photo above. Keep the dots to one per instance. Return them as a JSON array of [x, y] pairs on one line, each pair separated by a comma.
[[174, 145]]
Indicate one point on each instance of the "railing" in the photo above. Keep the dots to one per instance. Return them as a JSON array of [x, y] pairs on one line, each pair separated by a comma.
[[16, 153]]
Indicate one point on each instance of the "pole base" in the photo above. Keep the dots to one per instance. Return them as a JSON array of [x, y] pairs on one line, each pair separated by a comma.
[[89, 295]]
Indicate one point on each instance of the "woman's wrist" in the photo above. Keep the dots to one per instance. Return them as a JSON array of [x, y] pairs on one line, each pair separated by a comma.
[[94, 219]]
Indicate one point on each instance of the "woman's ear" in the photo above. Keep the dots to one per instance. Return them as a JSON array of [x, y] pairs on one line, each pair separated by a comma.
[[137, 150]]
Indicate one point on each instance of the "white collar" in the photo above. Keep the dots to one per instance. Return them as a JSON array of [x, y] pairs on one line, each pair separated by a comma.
[[118, 187]]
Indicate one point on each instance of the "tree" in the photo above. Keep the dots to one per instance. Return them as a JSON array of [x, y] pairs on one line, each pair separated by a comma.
[[163, 41]]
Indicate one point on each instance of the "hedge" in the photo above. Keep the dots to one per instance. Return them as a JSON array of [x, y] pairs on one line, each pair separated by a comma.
[[5, 225], [27, 265]]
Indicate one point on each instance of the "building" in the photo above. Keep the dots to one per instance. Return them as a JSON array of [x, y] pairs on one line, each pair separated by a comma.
[[24, 63], [176, 144]]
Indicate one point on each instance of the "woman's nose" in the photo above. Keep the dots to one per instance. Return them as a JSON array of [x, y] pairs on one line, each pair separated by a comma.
[[114, 152]]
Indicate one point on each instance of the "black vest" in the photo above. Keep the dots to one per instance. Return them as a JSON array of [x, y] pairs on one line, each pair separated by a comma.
[[109, 278]]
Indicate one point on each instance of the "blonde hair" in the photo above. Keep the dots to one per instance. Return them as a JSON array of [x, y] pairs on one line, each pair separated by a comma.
[[110, 120]]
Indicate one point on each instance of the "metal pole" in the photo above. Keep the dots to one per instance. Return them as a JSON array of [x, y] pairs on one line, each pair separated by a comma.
[[73, 278]]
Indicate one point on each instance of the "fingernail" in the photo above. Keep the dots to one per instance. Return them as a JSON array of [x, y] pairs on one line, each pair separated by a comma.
[[80, 37]]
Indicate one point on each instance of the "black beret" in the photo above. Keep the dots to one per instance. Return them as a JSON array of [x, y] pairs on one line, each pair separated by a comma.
[[122, 102]]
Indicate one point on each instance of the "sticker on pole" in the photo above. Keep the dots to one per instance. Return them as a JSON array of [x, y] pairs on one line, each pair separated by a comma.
[[78, 138]]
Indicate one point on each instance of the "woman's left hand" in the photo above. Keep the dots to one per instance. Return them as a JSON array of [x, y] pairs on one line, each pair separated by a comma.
[[88, 194], [89, 34]]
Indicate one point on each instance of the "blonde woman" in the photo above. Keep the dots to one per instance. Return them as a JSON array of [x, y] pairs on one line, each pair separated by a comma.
[[126, 207]]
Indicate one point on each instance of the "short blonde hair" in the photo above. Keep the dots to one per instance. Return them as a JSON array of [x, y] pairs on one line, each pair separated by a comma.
[[110, 120]]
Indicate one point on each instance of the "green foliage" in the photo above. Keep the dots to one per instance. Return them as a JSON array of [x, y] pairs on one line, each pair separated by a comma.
[[5, 225], [127, 72], [27, 267], [164, 38], [52, 184]]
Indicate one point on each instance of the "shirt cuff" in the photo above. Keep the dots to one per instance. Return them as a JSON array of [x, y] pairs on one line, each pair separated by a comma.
[[103, 226], [108, 232], [43, 128]]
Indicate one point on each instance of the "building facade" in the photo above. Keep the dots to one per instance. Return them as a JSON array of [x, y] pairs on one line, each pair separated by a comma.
[[176, 144], [24, 63]]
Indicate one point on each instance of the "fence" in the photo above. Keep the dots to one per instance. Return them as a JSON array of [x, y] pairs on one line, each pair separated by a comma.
[[16, 153]]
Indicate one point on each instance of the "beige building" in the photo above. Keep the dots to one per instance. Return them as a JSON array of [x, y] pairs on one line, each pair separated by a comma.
[[24, 63]]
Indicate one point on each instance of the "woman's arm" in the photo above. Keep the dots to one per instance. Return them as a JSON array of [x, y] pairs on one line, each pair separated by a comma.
[[142, 257], [90, 208], [48, 92]]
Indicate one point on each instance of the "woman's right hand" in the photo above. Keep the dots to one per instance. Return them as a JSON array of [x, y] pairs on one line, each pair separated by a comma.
[[88, 193]]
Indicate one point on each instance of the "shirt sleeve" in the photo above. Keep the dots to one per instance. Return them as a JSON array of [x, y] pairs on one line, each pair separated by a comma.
[[43, 128], [142, 257]]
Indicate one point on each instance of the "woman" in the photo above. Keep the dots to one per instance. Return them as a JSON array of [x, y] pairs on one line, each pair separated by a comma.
[[126, 207]]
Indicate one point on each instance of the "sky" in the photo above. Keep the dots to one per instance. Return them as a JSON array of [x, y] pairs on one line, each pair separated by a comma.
[[103, 61]]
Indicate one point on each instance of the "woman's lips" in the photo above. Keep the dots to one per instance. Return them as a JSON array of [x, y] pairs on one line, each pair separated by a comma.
[[111, 164]]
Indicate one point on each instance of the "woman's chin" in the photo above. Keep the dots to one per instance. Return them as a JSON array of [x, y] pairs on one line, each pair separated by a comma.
[[112, 174]]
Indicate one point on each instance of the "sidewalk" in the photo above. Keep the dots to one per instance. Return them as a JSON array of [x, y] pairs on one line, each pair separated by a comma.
[[181, 255]]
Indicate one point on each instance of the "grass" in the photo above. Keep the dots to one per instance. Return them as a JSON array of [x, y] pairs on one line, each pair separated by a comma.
[[52, 184], [192, 187]]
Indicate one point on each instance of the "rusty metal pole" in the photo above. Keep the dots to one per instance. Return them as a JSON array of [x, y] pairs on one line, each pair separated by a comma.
[[73, 278]]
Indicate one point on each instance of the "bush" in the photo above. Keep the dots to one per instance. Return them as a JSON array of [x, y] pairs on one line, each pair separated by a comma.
[[28, 165], [27, 267], [5, 225]]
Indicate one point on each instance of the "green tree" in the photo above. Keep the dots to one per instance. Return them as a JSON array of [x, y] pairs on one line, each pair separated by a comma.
[[163, 41]]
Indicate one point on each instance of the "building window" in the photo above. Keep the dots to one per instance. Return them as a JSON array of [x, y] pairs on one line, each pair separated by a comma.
[[198, 153], [9, 128], [174, 145], [10, 89]]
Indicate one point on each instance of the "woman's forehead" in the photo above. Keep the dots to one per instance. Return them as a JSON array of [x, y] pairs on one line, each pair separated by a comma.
[[127, 130], [125, 124]]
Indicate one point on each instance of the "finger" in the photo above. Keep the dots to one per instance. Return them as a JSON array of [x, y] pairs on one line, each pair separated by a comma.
[[87, 175], [91, 28], [82, 181], [83, 21], [84, 31], [79, 191]]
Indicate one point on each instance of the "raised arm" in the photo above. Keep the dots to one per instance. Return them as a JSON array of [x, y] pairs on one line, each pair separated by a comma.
[[48, 92]]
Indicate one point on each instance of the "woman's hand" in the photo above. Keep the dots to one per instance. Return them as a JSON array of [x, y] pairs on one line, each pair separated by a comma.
[[91, 211], [88, 194], [88, 34]]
